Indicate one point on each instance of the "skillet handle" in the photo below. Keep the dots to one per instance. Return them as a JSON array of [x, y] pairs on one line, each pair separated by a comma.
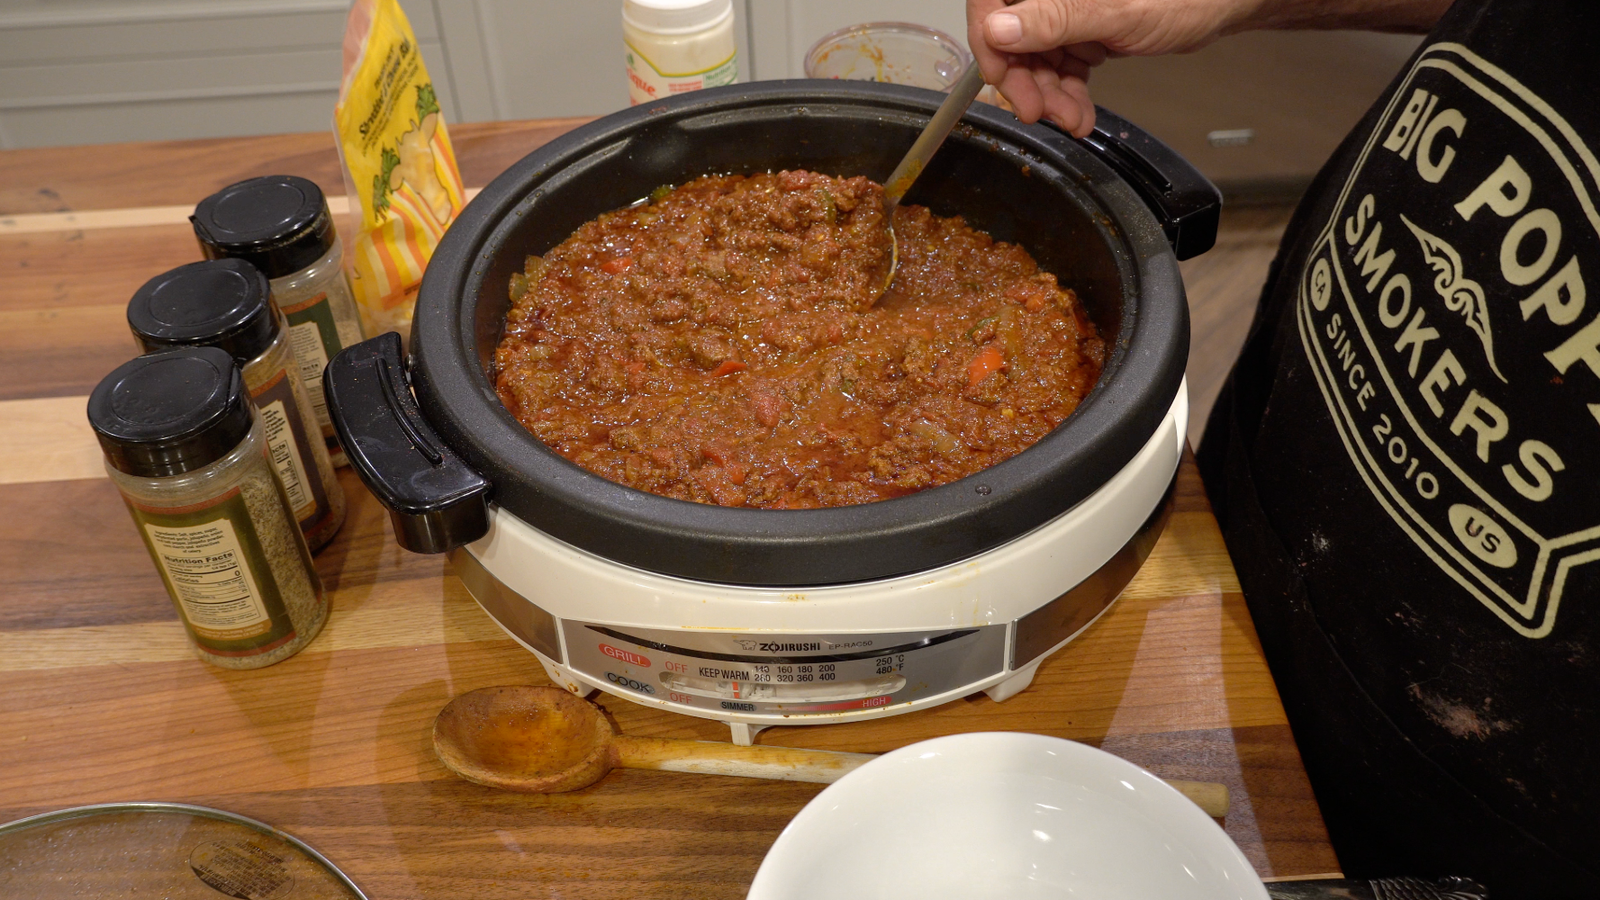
[[1184, 201], [435, 500]]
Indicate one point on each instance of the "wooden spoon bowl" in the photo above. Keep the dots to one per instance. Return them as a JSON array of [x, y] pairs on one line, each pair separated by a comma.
[[524, 738]]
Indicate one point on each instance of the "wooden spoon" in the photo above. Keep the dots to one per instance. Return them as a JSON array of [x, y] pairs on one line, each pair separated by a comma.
[[544, 740]]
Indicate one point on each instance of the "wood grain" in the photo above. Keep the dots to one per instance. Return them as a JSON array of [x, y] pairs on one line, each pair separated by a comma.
[[101, 699], [1223, 286], [180, 173], [1170, 678], [47, 439]]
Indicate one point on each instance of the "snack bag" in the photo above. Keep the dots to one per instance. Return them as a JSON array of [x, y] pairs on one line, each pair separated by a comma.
[[399, 168]]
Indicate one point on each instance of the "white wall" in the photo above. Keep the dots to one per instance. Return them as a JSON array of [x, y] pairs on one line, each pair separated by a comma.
[[93, 71], [564, 57]]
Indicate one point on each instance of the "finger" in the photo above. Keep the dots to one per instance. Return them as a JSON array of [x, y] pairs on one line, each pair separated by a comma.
[[1063, 102], [1022, 92], [1071, 107], [1091, 52], [1065, 64], [1033, 25], [1057, 106], [990, 61]]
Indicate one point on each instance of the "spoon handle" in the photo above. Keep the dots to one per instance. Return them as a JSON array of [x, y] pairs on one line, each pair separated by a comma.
[[938, 128], [717, 758], [794, 764]]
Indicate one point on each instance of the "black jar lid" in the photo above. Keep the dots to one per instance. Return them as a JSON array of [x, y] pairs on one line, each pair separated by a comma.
[[168, 413], [279, 222], [224, 303]]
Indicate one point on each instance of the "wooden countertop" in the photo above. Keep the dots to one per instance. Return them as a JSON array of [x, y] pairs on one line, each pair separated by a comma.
[[102, 700]]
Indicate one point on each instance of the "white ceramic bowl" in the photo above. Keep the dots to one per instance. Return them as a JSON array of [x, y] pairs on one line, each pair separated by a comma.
[[1003, 815]]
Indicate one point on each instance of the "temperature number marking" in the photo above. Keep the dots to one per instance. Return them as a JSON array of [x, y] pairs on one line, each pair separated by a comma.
[[888, 665], [798, 674]]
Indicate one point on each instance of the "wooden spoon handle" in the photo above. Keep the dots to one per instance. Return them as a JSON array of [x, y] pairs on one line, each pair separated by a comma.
[[717, 758], [819, 766]]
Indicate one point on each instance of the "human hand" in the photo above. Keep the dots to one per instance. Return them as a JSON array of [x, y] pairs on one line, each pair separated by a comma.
[[1039, 52]]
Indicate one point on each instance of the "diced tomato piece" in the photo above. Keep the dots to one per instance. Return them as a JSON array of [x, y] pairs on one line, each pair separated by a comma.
[[618, 265], [728, 367], [1032, 295], [988, 361]]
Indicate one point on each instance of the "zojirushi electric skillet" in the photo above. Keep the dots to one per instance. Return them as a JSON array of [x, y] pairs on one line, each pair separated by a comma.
[[762, 617]]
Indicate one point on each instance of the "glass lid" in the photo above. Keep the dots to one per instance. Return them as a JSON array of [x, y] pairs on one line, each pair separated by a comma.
[[169, 850]]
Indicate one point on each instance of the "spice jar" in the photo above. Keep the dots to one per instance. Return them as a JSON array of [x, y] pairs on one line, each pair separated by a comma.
[[281, 223], [675, 46], [226, 303], [185, 447]]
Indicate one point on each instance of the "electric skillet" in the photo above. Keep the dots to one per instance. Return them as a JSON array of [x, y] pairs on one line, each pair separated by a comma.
[[759, 617]]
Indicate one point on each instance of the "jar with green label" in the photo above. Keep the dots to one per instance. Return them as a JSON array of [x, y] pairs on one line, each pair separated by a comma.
[[281, 224], [226, 303], [185, 447]]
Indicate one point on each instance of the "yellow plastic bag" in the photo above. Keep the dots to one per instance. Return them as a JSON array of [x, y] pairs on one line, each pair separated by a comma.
[[399, 168]]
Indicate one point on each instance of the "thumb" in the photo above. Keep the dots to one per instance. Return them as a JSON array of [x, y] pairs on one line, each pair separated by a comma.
[[1034, 25]]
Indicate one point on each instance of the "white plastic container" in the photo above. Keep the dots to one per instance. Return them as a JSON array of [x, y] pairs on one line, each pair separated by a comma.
[[675, 46]]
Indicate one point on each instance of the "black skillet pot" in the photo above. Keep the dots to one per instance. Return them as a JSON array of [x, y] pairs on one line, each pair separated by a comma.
[[1109, 215]]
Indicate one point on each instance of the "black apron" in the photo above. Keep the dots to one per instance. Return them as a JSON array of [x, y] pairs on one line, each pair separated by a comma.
[[1406, 462]]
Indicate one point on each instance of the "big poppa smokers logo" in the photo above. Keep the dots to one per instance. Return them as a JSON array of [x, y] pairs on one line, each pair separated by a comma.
[[1445, 313]]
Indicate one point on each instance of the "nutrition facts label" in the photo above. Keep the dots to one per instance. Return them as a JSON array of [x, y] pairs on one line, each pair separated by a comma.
[[211, 579], [286, 461], [306, 340]]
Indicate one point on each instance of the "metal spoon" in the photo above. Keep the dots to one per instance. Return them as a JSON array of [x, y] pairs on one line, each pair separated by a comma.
[[962, 93], [543, 740]]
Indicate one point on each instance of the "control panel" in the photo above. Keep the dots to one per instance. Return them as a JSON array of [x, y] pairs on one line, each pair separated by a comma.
[[784, 674]]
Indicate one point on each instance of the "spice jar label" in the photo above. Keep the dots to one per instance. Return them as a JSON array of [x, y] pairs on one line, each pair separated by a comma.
[[647, 82], [314, 337], [284, 430], [209, 557]]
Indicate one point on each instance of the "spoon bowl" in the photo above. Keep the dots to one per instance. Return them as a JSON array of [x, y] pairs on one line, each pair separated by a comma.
[[524, 738]]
